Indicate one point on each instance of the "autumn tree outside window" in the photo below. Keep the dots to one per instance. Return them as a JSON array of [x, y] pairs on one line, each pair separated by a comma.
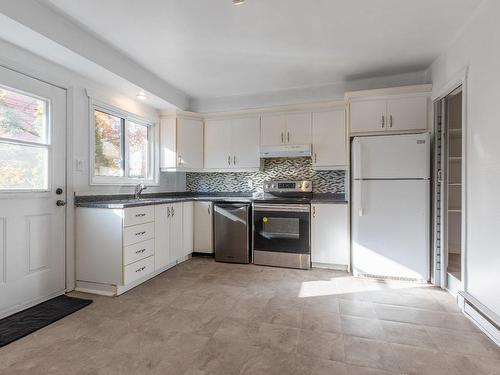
[[123, 148], [24, 141]]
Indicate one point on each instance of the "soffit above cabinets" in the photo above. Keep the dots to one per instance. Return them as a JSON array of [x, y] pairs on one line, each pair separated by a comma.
[[211, 49]]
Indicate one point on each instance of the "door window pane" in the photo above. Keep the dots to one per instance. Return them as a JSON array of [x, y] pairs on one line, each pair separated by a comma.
[[23, 167], [138, 150], [22, 117], [108, 145]]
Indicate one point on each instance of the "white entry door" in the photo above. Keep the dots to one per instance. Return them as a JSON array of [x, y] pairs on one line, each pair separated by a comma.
[[32, 181]]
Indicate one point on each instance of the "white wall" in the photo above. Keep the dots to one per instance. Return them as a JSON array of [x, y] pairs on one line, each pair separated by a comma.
[[478, 47], [78, 115]]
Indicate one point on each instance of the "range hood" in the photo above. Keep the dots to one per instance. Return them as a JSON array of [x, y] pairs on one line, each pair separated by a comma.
[[285, 151]]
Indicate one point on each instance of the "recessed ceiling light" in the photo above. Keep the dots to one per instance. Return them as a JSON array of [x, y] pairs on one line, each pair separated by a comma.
[[238, 2], [141, 96]]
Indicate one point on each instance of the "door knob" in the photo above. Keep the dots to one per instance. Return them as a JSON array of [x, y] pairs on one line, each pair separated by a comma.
[[59, 191], [60, 203]]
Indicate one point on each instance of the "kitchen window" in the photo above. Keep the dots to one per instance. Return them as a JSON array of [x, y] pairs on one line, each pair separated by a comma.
[[123, 148]]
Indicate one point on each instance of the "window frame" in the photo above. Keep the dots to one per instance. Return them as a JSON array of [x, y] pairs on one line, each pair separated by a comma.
[[47, 145], [153, 150]]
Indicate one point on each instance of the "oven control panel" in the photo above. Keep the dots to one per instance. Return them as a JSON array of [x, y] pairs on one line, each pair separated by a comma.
[[303, 186]]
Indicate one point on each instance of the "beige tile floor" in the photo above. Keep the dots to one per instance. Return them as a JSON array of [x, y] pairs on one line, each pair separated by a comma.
[[203, 317]]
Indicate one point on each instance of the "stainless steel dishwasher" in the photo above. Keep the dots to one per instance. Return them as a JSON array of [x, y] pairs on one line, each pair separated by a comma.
[[232, 232]]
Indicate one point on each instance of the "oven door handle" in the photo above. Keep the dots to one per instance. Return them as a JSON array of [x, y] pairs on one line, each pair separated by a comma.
[[282, 208]]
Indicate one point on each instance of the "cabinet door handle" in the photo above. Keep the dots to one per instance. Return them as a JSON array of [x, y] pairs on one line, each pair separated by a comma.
[[229, 160], [209, 209], [140, 251], [168, 211], [390, 121], [315, 158], [234, 160], [173, 212], [140, 215], [282, 139], [314, 211], [140, 233], [140, 269], [288, 137], [383, 121]]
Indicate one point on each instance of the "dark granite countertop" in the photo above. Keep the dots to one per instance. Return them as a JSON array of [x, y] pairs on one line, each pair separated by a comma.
[[124, 201], [329, 198]]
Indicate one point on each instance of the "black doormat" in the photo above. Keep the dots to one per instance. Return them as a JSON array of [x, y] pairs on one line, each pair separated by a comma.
[[23, 323]]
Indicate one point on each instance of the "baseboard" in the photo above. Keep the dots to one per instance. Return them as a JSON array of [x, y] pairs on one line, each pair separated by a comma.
[[203, 255], [485, 319], [330, 266], [115, 290]]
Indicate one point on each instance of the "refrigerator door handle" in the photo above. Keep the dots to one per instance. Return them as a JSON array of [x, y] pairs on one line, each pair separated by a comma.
[[360, 160], [359, 171], [360, 211]]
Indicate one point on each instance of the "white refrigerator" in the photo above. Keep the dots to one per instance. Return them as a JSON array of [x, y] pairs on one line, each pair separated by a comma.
[[390, 194]]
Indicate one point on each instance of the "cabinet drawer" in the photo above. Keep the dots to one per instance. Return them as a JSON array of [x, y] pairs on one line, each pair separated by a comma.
[[138, 233], [138, 215], [139, 269], [138, 251]]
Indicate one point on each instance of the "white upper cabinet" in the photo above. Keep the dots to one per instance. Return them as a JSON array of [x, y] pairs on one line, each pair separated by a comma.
[[189, 144], [245, 142], [407, 113], [298, 128], [273, 130], [168, 143], [395, 110], [232, 144], [283, 129], [217, 144], [368, 115], [329, 139], [181, 144]]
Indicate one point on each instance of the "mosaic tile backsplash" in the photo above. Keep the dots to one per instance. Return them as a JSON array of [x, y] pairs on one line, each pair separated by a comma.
[[274, 169]]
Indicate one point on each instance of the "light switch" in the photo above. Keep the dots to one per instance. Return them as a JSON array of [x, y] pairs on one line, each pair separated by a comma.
[[79, 164]]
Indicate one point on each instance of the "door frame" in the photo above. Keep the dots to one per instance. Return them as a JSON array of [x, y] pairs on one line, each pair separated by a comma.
[[22, 68], [458, 79]]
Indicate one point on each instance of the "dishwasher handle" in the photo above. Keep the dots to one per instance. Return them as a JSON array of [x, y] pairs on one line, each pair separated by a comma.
[[233, 206]]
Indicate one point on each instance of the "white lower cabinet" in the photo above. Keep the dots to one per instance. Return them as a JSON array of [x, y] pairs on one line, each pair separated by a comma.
[[139, 269], [330, 246], [187, 228], [168, 243], [203, 227], [117, 249], [138, 251]]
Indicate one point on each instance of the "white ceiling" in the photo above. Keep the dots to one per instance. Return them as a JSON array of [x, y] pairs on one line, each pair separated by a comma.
[[210, 48]]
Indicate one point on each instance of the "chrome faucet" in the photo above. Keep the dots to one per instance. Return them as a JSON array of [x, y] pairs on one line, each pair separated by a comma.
[[139, 188]]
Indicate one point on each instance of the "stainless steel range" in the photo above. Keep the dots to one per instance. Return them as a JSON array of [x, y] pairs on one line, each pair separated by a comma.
[[281, 224]]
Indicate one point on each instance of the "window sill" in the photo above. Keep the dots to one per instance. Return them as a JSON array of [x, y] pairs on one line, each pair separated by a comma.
[[122, 182]]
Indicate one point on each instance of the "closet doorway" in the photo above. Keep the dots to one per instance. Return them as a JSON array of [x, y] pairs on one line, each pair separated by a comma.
[[449, 191]]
